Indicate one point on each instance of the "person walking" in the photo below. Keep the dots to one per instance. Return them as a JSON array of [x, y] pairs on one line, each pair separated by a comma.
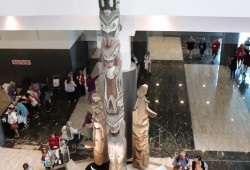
[[215, 48], [91, 86], [47, 159], [190, 46], [202, 47], [246, 62], [70, 88], [233, 66], [240, 55], [54, 145]]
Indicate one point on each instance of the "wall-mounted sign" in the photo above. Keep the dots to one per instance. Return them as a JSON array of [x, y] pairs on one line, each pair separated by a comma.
[[21, 62]]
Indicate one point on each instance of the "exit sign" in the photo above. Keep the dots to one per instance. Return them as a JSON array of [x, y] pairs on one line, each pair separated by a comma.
[[21, 62]]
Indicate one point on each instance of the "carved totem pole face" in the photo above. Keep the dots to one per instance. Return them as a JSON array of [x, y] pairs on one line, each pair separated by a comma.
[[110, 27], [112, 61], [117, 150]]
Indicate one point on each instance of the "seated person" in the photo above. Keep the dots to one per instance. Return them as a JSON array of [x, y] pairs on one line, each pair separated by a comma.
[[198, 163], [183, 159], [22, 111], [70, 135]]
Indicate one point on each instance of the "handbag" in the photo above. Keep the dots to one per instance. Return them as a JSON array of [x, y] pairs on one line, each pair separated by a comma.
[[14, 126]]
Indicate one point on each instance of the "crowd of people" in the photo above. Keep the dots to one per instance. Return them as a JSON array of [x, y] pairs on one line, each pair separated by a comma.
[[215, 46], [24, 106]]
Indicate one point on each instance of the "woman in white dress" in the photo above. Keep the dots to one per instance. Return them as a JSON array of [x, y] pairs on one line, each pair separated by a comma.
[[147, 62]]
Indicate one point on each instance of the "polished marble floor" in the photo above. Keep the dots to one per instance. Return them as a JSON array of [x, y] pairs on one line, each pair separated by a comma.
[[199, 110]]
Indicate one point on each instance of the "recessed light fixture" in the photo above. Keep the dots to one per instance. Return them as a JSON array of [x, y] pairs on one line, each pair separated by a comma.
[[180, 85], [207, 102], [203, 85], [181, 101], [232, 120], [157, 84], [156, 101]]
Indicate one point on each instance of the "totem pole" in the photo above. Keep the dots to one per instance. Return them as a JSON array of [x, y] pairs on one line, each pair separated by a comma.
[[140, 129], [99, 131], [113, 86]]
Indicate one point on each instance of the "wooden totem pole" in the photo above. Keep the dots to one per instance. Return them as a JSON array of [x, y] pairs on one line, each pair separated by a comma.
[[140, 129], [113, 87]]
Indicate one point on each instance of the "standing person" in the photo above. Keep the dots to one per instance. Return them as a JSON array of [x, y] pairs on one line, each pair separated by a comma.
[[68, 134], [233, 66], [198, 164], [215, 48], [202, 47], [12, 120], [240, 55], [11, 90], [246, 62], [190, 46], [183, 159], [33, 103], [86, 122], [91, 86], [26, 167], [22, 110], [81, 82], [47, 159], [147, 62], [70, 88], [54, 145]]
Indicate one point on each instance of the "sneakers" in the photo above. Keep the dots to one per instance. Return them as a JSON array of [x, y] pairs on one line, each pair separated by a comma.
[[59, 162]]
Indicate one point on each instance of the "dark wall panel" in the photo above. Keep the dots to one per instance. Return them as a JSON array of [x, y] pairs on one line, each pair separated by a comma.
[[79, 55], [228, 47], [140, 45], [44, 63]]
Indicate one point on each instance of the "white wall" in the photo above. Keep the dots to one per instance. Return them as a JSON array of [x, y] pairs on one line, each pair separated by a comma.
[[38, 39], [215, 8]]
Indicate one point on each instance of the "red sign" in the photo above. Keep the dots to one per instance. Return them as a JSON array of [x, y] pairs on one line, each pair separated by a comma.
[[21, 62]]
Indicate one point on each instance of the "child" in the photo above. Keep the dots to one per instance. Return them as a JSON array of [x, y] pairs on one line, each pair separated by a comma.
[[233, 66]]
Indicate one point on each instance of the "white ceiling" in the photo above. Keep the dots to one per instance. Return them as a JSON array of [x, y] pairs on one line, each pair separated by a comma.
[[149, 15]]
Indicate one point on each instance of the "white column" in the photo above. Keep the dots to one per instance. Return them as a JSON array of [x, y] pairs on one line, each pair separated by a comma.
[[125, 41]]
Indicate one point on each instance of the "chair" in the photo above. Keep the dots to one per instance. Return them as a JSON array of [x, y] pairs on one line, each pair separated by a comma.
[[56, 83]]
